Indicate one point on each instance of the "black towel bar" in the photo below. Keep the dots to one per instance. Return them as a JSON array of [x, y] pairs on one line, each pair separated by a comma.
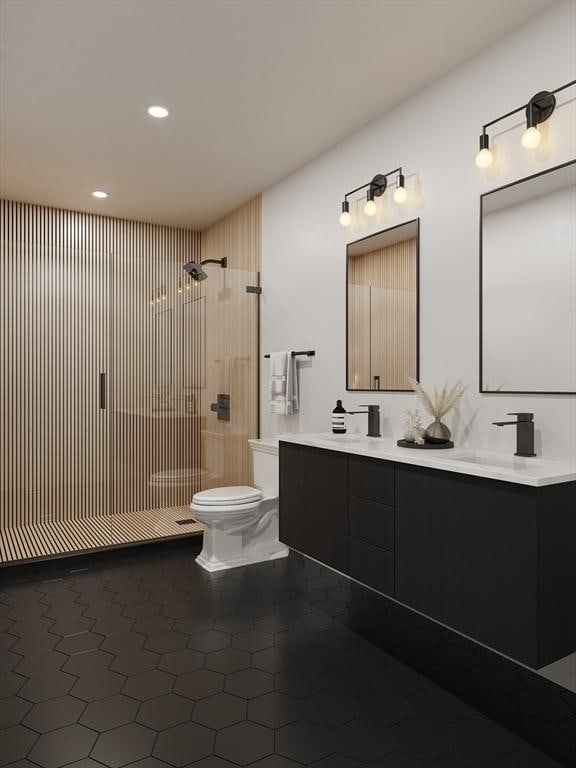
[[308, 353]]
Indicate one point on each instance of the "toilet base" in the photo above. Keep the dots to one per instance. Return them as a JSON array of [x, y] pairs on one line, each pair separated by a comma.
[[213, 564]]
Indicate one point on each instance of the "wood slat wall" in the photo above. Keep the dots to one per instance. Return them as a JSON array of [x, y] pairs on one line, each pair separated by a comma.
[[79, 296], [232, 344], [387, 347]]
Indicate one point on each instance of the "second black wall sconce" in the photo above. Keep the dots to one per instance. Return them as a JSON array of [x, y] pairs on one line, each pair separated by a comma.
[[538, 109]]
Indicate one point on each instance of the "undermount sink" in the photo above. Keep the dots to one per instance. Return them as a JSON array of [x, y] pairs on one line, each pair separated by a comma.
[[502, 462]]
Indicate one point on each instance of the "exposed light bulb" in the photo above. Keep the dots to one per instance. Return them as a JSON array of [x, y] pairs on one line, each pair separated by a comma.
[[99, 194], [400, 195], [370, 208], [484, 158], [345, 218], [531, 138], [158, 111]]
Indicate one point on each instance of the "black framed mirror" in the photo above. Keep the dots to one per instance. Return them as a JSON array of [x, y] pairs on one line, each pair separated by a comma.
[[382, 310], [528, 285]]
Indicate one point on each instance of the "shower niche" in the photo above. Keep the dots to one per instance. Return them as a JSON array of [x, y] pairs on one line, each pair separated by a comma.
[[113, 355]]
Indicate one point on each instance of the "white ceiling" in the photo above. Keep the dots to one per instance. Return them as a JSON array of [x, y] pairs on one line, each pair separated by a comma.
[[256, 88]]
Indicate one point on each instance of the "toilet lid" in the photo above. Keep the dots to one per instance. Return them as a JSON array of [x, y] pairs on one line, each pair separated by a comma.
[[235, 494]]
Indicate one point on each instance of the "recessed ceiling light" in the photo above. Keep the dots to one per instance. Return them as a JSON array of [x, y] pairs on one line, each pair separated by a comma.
[[157, 111], [99, 194]]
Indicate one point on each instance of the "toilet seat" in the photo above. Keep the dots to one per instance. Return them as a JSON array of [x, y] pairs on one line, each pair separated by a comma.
[[231, 496]]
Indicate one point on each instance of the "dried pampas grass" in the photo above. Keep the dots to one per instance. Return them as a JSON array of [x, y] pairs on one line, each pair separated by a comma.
[[441, 401]]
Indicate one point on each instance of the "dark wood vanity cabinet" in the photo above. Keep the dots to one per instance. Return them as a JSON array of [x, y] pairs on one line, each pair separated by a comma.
[[313, 494], [492, 559]]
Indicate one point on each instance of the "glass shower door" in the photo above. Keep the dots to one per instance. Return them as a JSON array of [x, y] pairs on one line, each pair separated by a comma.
[[155, 376], [53, 456], [229, 401]]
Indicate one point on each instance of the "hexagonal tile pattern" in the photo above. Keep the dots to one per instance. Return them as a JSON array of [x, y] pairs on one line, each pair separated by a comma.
[[135, 662], [143, 660], [228, 660], [40, 663], [66, 745], [220, 711], [185, 743], [165, 711], [249, 683], [99, 686], [54, 713], [182, 661], [245, 743], [274, 710], [124, 745], [16, 742], [104, 714], [147, 685], [199, 684]]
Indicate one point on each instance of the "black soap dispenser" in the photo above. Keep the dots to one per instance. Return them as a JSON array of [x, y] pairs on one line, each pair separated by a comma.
[[339, 419]]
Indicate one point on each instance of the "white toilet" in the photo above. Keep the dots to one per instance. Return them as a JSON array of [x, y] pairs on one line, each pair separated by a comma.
[[242, 522]]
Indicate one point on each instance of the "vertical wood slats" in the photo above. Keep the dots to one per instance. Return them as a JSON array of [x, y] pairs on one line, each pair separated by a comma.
[[70, 282], [387, 347], [231, 344]]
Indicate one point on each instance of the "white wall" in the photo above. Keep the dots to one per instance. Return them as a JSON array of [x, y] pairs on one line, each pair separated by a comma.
[[434, 135]]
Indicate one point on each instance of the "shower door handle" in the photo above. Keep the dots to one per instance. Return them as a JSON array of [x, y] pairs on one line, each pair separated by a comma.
[[102, 391]]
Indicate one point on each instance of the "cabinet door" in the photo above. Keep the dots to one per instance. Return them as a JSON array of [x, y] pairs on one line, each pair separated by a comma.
[[466, 556], [291, 507], [323, 484]]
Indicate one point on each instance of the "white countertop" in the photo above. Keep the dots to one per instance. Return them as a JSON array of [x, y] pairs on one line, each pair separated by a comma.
[[495, 466]]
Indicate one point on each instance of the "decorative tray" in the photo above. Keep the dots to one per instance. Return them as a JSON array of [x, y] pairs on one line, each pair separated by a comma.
[[428, 446]]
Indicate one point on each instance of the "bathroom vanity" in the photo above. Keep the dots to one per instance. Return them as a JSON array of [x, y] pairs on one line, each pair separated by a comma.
[[482, 543]]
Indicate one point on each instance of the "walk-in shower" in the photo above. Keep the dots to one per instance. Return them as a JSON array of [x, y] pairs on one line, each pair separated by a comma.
[[111, 357]]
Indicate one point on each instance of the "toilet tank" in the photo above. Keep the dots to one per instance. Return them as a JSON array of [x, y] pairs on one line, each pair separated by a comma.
[[265, 464]]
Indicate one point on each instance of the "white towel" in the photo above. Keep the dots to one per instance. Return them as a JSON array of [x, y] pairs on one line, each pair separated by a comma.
[[283, 384]]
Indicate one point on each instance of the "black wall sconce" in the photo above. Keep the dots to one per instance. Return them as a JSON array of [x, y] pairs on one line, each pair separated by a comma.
[[538, 109], [375, 188]]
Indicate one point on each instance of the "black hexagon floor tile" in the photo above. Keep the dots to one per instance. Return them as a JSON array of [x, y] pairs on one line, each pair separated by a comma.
[[16, 742], [124, 745], [54, 713], [46, 687], [228, 660], [165, 711], [147, 685], [146, 661], [184, 744], [66, 745], [111, 712], [244, 743], [220, 711], [98, 686], [274, 709], [182, 661], [305, 742], [199, 684], [211, 640], [249, 683]]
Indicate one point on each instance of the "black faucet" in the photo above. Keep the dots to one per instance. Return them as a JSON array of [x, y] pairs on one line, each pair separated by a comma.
[[524, 433], [373, 419]]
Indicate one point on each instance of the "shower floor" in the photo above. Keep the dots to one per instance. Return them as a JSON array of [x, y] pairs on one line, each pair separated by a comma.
[[66, 537]]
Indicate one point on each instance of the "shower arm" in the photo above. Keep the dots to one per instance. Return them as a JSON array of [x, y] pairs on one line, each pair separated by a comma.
[[223, 262]]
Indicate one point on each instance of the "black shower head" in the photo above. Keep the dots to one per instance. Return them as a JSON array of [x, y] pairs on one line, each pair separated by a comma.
[[194, 268]]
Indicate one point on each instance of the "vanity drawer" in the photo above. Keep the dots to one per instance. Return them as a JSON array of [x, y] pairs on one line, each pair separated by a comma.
[[371, 522], [371, 479], [371, 565]]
